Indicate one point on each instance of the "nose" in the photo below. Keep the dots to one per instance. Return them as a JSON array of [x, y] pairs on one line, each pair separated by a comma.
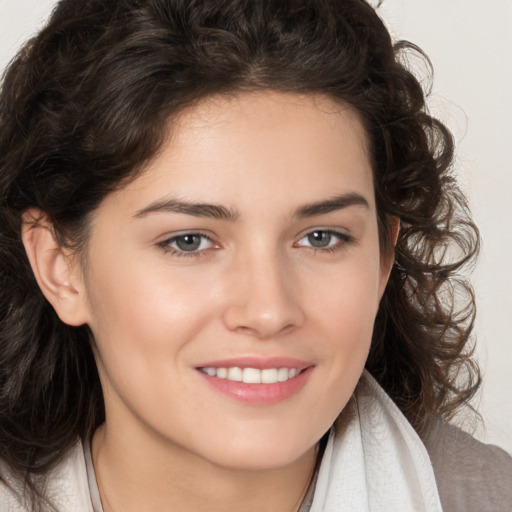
[[263, 300]]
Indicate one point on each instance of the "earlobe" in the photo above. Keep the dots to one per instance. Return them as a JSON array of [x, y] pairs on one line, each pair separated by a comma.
[[54, 268]]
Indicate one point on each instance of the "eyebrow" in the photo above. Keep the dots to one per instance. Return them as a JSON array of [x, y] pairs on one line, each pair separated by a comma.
[[212, 211], [330, 205], [219, 212]]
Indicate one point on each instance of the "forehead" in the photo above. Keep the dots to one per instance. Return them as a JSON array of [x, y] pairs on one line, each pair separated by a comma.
[[266, 146]]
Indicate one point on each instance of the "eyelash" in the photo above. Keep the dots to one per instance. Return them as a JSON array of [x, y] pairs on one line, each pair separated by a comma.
[[343, 241], [166, 245]]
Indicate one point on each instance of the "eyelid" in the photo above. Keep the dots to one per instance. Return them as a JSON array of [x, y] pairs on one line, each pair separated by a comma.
[[167, 247], [343, 239]]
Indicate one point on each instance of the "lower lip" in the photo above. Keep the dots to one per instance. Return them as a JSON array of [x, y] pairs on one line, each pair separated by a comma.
[[259, 394]]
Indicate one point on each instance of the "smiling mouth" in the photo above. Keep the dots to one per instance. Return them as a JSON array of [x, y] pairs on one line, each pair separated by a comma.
[[252, 375]]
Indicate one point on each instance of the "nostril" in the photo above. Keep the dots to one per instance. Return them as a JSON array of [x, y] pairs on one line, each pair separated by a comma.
[[265, 331], [266, 303]]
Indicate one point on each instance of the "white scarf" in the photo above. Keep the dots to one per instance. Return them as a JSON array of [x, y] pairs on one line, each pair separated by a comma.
[[373, 462]]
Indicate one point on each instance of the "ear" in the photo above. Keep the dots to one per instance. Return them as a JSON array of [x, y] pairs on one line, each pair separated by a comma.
[[387, 260], [57, 272]]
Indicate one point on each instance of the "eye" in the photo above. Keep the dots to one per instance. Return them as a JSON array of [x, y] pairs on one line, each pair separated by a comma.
[[187, 244], [324, 239]]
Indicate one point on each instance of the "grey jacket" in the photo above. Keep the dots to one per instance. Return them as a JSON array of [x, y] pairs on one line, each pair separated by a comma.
[[471, 476]]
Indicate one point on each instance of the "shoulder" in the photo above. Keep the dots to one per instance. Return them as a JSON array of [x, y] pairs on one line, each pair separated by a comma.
[[470, 475], [10, 498], [8, 501], [66, 486], [10, 491]]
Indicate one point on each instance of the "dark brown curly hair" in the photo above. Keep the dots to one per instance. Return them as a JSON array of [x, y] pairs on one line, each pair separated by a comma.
[[87, 102]]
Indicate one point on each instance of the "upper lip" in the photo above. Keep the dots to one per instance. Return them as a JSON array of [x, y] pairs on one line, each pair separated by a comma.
[[260, 363]]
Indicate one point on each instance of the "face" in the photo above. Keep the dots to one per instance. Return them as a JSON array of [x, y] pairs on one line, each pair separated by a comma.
[[232, 287]]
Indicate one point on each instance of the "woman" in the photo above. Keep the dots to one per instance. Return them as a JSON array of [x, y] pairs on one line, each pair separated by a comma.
[[223, 237]]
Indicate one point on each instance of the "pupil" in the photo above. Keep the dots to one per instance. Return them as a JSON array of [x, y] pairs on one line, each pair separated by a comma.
[[319, 238], [188, 242]]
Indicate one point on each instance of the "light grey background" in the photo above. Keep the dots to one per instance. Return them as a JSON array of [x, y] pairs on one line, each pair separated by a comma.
[[470, 44]]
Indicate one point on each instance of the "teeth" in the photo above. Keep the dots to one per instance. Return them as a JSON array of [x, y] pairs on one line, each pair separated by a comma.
[[283, 374], [253, 375], [269, 376], [235, 374]]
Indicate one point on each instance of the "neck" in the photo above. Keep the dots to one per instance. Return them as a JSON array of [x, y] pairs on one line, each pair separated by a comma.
[[134, 473]]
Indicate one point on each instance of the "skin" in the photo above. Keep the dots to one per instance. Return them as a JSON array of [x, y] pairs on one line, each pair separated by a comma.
[[255, 287]]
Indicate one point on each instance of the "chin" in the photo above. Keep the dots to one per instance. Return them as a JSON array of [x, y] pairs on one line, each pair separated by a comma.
[[257, 457]]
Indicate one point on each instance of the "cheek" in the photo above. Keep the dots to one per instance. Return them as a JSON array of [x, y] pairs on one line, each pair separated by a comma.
[[344, 330], [143, 323], [142, 317], [343, 312], [347, 298], [135, 296]]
